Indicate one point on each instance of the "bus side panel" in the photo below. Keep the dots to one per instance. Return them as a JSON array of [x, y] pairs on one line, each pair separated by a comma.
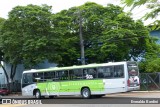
[[42, 88], [49, 88], [71, 87], [114, 85], [27, 89], [95, 86], [64, 88]]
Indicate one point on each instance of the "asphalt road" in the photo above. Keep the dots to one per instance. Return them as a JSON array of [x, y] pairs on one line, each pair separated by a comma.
[[146, 99]]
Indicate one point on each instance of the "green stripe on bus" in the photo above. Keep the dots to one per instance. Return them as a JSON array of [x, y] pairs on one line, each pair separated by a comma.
[[71, 86]]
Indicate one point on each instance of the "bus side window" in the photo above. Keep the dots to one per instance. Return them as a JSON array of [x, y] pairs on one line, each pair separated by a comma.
[[57, 77], [53, 76], [38, 77], [71, 75], [108, 72], [27, 78], [84, 73], [62, 75], [87, 74], [119, 71], [48, 76], [93, 72], [75, 74], [100, 72]]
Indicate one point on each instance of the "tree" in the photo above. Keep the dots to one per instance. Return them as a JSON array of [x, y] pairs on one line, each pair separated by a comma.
[[153, 65], [152, 56], [68, 41], [150, 61], [2, 20], [153, 5], [108, 32], [27, 37]]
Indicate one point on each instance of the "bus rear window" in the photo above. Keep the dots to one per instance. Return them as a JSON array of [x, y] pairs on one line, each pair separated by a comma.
[[133, 69]]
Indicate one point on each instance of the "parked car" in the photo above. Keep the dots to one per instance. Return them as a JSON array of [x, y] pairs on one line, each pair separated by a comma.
[[4, 91], [0, 98]]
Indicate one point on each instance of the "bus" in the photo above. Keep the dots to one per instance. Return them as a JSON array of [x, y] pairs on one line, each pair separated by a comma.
[[83, 80]]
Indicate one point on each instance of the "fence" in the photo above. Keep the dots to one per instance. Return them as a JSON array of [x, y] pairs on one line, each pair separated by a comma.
[[14, 87], [150, 81]]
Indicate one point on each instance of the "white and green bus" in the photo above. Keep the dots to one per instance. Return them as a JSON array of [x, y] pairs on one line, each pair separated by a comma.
[[84, 80]]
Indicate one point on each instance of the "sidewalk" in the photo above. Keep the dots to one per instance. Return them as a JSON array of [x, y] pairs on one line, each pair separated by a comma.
[[15, 94], [154, 91]]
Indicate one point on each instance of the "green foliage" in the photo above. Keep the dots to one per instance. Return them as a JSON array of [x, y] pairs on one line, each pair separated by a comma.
[[108, 32], [2, 20], [153, 5], [26, 35], [153, 66], [150, 65]]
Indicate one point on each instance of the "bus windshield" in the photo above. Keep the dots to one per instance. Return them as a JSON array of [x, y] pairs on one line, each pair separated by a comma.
[[132, 69]]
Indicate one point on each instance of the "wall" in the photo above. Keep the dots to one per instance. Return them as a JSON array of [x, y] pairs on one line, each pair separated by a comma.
[[156, 33], [20, 69], [2, 77]]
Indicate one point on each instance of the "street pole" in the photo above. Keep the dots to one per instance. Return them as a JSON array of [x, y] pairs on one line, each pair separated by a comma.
[[81, 39]]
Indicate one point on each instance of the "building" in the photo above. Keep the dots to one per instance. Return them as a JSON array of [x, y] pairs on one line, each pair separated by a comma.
[[2, 78], [19, 70], [156, 33]]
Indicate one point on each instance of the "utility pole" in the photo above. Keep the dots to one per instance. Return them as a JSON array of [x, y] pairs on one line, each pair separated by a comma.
[[81, 39]]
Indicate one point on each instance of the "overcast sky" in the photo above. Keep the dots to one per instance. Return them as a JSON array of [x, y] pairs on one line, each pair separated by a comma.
[[58, 5]]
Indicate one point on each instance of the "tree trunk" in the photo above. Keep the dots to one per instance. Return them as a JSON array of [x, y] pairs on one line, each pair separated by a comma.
[[12, 74], [81, 39]]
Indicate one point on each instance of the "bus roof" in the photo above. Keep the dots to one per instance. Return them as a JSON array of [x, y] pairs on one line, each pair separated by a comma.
[[74, 67]]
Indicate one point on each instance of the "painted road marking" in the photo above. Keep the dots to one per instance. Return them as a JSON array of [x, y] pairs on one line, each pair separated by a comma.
[[12, 105]]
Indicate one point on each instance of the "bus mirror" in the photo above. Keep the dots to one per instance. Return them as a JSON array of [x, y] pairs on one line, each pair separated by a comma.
[[37, 78]]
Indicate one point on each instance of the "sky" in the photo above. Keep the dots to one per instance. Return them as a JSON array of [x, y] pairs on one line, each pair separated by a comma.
[[58, 5]]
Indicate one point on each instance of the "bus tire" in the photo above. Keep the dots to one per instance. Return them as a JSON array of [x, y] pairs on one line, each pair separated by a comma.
[[38, 94], [51, 97], [86, 94], [99, 96]]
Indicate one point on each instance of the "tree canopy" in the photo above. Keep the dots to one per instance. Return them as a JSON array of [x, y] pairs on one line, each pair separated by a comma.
[[152, 5], [27, 38], [151, 60], [109, 34]]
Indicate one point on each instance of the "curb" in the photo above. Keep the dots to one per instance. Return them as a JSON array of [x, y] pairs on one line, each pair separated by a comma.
[[15, 94], [146, 91]]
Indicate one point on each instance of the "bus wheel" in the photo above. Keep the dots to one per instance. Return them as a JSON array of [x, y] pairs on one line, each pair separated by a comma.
[[99, 96], [38, 94], [86, 93], [51, 97]]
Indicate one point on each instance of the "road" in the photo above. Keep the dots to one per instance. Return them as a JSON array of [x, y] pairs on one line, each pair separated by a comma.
[[143, 99]]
